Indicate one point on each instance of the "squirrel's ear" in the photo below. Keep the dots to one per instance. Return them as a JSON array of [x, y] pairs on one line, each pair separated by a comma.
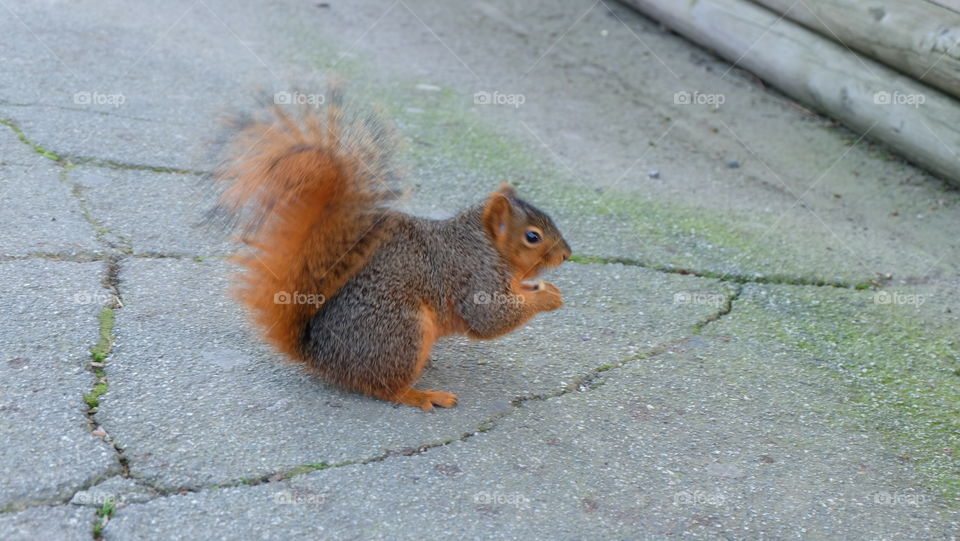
[[507, 190], [496, 215]]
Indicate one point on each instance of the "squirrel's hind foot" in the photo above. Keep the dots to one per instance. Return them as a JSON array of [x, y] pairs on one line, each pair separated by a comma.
[[426, 400]]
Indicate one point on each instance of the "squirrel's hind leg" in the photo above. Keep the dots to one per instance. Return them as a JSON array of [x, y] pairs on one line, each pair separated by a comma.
[[406, 394]]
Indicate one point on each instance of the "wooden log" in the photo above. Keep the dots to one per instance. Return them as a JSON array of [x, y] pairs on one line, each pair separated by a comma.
[[921, 123], [918, 38], [949, 4]]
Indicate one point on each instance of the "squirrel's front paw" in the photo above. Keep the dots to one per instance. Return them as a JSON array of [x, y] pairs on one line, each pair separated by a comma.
[[550, 295]]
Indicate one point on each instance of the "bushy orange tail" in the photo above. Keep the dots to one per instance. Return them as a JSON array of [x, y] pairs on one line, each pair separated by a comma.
[[308, 190]]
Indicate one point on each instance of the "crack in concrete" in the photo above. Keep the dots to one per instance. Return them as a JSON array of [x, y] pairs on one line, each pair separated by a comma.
[[303, 469], [52, 502], [88, 111], [584, 383], [74, 160], [100, 230], [25, 140], [88, 257], [184, 257], [100, 353], [74, 257], [98, 365], [724, 310], [16, 164], [778, 279], [115, 164]]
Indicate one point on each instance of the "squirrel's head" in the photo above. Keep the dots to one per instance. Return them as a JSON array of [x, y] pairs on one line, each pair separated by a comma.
[[523, 234]]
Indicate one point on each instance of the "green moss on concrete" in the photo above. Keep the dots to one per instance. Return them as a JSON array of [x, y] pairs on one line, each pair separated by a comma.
[[98, 355], [104, 514], [100, 351], [897, 363], [93, 397], [39, 149], [306, 468], [588, 259]]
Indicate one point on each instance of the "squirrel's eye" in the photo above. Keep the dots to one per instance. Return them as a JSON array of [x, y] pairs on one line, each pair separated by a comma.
[[533, 237]]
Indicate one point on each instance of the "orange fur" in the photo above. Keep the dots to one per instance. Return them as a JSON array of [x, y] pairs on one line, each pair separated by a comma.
[[430, 330], [305, 192], [505, 226]]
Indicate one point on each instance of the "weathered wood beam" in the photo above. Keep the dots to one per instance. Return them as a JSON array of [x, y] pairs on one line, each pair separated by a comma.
[[921, 123], [918, 38]]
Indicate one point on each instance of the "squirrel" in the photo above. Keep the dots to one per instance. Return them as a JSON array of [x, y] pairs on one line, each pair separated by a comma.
[[337, 279]]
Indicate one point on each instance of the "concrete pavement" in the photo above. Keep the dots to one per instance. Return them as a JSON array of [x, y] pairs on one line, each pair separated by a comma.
[[759, 341]]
